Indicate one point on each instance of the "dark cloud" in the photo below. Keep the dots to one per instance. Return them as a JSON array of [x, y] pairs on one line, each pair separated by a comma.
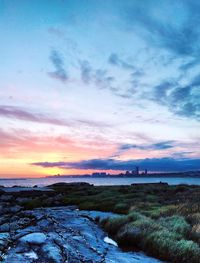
[[181, 36], [156, 146], [60, 72], [152, 164], [114, 59], [160, 91], [189, 65], [181, 100]]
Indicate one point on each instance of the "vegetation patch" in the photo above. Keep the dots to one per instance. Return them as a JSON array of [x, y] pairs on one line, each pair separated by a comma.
[[162, 220]]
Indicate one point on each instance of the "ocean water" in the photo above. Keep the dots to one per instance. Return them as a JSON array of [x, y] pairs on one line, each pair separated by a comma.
[[100, 181]]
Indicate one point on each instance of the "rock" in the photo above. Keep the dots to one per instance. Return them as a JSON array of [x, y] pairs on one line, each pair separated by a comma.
[[34, 238], [20, 223], [63, 234], [5, 197], [23, 199], [14, 258], [110, 241], [31, 255], [5, 227], [4, 240], [4, 219], [52, 253], [1, 190], [15, 209], [62, 184]]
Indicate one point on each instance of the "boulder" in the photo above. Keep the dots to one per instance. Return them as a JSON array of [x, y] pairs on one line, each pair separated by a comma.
[[52, 253], [5, 227], [34, 238], [4, 240]]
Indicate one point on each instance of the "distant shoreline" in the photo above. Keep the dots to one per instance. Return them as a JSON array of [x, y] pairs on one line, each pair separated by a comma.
[[188, 174]]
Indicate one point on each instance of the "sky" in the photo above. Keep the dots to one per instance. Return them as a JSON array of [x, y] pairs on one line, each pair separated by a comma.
[[92, 85]]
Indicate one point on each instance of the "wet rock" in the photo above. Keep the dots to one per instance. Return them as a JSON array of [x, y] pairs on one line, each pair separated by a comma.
[[34, 238], [14, 258], [61, 235], [52, 253]]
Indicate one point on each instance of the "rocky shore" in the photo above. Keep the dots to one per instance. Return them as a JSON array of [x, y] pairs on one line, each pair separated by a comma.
[[54, 234]]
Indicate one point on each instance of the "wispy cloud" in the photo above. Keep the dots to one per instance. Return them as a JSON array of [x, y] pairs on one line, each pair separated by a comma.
[[60, 73], [99, 77], [86, 71], [14, 112], [102, 79], [22, 114], [115, 60], [152, 164], [156, 146]]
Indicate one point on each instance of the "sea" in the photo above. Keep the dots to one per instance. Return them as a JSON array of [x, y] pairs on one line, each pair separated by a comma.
[[99, 181]]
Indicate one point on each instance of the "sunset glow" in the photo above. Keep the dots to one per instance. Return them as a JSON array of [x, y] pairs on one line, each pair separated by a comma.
[[89, 86]]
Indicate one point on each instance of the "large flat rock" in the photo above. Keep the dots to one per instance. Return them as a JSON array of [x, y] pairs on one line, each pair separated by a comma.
[[66, 235]]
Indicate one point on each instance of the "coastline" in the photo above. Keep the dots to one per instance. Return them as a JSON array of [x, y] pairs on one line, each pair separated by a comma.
[[156, 218], [55, 234]]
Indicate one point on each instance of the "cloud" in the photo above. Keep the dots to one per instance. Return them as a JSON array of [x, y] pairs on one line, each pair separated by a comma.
[[86, 71], [99, 77], [152, 164], [17, 143], [181, 100], [13, 112], [156, 146], [56, 32], [21, 114], [102, 79], [115, 60], [57, 61], [157, 23]]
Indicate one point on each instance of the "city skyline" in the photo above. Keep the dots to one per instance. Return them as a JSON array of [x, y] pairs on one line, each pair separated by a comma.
[[105, 86]]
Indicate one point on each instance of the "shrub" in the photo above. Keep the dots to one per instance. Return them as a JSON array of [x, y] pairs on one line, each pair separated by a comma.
[[34, 203], [113, 225], [160, 243], [195, 232], [121, 208], [186, 251], [176, 224], [129, 236]]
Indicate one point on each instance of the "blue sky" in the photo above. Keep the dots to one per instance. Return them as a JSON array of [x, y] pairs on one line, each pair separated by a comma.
[[84, 80]]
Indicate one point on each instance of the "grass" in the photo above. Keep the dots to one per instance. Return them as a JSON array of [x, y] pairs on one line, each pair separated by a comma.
[[162, 220]]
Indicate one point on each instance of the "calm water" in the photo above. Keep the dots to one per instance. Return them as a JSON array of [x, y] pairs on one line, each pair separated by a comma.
[[100, 181]]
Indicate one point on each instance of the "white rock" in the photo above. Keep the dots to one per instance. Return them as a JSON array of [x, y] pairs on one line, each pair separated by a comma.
[[31, 255], [110, 241]]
